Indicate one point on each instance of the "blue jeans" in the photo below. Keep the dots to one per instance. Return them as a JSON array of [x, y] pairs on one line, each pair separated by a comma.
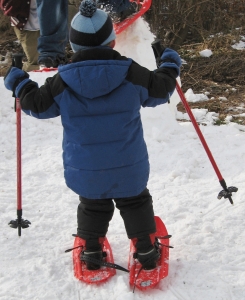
[[53, 18]]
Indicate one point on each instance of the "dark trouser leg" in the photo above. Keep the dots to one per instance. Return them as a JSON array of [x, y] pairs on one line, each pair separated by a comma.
[[53, 19], [93, 217], [138, 216]]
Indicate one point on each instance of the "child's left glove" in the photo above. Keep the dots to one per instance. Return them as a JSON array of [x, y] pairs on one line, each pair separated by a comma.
[[15, 80], [170, 59]]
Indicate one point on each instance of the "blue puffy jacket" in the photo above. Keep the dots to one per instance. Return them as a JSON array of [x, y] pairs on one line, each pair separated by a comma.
[[99, 96]]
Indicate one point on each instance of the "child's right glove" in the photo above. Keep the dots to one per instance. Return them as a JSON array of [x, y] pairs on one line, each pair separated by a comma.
[[170, 59], [15, 80]]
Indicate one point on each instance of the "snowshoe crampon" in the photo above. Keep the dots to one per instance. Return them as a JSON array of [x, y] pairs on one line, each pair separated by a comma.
[[92, 276], [145, 279], [143, 6]]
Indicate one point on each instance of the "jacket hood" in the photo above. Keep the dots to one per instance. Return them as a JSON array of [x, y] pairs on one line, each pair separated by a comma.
[[95, 72]]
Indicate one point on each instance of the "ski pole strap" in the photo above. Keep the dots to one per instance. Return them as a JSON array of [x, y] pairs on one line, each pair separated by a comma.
[[103, 263]]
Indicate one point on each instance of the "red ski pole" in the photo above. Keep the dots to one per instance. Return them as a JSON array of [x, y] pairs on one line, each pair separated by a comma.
[[226, 192], [19, 222]]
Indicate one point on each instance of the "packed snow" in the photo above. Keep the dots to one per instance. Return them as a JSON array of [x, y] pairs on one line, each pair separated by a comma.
[[208, 235], [191, 97], [206, 53], [240, 45]]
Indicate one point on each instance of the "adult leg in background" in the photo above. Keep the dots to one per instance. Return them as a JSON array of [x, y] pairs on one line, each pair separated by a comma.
[[53, 20], [28, 40]]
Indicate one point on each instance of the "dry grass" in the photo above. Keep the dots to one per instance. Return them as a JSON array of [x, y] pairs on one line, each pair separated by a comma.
[[221, 75]]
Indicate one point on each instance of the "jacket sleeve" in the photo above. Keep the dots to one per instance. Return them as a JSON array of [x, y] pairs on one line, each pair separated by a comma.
[[156, 87], [40, 102], [17, 10], [5, 3], [14, 7]]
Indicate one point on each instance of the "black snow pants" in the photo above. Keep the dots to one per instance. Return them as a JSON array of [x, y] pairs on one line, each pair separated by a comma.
[[94, 215]]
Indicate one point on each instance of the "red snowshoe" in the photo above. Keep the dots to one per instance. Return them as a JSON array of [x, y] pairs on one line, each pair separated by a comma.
[[80, 270], [107, 269], [143, 6], [145, 279]]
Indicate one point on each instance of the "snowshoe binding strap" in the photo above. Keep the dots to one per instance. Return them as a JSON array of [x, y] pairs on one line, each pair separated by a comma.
[[160, 244], [68, 250], [86, 258]]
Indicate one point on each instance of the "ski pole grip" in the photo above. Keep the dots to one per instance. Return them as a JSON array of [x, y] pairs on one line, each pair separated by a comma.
[[158, 50], [17, 60]]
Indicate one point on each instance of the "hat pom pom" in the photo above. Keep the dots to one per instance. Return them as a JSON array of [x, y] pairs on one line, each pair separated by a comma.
[[87, 8]]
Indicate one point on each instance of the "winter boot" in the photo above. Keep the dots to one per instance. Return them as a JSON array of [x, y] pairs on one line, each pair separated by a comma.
[[92, 259], [51, 62], [148, 252], [149, 259], [93, 255]]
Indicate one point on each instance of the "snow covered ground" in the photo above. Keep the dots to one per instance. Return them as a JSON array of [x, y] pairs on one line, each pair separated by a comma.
[[208, 259]]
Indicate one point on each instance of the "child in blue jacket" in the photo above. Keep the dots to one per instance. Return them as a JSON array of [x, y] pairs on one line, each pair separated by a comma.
[[99, 96]]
